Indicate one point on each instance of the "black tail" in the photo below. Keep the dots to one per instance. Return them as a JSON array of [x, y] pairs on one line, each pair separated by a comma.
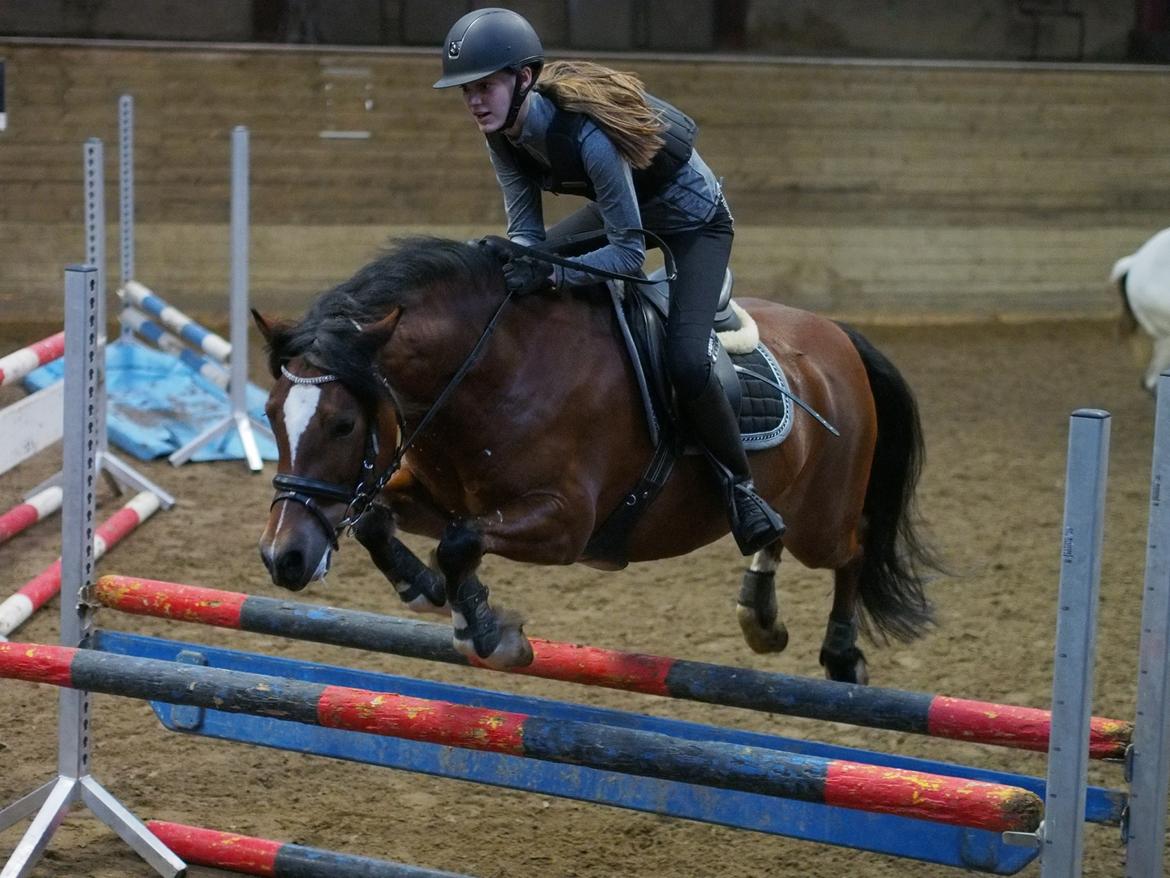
[[896, 558]]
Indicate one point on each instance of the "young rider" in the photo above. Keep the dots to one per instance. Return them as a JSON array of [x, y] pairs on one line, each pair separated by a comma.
[[592, 131]]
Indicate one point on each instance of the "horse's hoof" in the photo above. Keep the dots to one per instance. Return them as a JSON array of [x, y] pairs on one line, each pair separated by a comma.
[[496, 640], [512, 651], [846, 667], [772, 639]]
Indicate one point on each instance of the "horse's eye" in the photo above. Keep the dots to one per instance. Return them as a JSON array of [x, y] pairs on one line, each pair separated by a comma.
[[342, 428]]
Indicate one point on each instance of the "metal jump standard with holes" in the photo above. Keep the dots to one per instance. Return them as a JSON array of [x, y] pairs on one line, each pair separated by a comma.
[[224, 363]]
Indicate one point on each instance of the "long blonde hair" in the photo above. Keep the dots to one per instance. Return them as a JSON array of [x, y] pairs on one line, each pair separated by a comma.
[[616, 101]]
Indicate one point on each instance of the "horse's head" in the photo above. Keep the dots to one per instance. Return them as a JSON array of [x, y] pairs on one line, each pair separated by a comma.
[[332, 409], [331, 420]]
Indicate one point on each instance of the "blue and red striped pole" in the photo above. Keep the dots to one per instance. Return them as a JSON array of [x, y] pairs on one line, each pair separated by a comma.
[[961, 719], [275, 859], [879, 789]]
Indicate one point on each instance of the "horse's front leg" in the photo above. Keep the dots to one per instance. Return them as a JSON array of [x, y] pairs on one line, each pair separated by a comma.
[[540, 528], [421, 588], [494, 637]]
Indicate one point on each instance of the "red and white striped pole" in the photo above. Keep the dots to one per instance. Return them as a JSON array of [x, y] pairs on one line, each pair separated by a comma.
[[25, 515], [19, 363], [43, 587]]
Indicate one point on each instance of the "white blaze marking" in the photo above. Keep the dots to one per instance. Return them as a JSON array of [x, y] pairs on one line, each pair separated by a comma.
[[299, 407]]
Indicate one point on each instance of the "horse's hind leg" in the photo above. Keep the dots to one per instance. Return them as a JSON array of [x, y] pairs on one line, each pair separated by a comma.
[[840, 656], [756, 608], [420, 588], [495, 638], [1159, 360]]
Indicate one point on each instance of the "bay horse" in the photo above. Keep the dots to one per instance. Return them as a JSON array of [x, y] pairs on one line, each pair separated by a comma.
[[533, 433]]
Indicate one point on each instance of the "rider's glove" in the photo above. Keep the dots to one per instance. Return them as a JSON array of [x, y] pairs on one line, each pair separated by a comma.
[[527, 274]]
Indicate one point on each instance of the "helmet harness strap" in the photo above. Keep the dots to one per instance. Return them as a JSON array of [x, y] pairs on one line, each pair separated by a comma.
[[518, 95]]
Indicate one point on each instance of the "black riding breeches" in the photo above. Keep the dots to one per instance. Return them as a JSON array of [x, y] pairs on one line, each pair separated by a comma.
[[701, 256]]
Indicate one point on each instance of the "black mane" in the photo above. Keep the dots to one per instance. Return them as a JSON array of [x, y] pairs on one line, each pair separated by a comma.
[[327, 336]]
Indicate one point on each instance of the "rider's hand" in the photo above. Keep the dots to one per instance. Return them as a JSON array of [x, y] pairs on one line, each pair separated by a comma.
[[526, 274]]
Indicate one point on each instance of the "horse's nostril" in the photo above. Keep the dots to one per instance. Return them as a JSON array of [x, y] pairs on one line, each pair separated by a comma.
[[290, 568]]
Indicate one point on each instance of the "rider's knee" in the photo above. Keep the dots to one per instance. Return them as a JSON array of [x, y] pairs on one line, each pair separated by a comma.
[[689, 369]]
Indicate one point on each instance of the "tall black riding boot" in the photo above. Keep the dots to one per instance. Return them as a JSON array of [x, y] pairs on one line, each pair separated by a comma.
[[754, 523]]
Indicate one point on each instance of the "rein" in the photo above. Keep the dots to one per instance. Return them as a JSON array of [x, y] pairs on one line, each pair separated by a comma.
[[553, 259], [298, 489]]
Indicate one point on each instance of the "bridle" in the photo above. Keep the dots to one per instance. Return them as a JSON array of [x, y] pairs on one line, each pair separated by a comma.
[[359, 498], [298, 489]]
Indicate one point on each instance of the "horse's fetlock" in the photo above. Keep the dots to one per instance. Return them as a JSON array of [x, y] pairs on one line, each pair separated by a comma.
[[476, 625], [840, 638], [426, 591]]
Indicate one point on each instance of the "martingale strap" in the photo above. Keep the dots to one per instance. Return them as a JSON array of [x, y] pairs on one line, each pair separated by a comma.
[[609, 541]]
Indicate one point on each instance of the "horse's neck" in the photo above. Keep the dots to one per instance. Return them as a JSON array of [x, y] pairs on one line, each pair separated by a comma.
[[540, 349], [431, 344]]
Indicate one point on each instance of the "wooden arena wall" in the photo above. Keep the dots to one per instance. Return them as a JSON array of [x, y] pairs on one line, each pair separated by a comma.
[[872, 191]]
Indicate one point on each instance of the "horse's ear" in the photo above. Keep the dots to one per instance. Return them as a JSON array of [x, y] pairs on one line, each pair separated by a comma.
[[375, 335], [273, 331], [263, 324]]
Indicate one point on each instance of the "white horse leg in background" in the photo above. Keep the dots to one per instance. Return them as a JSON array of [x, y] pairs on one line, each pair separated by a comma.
[[1143, 278]]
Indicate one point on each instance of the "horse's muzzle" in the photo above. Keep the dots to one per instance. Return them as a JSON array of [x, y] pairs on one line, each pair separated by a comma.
[[291, 568]]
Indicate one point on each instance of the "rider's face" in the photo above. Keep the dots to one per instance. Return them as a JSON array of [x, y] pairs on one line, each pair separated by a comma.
[[489, 99]]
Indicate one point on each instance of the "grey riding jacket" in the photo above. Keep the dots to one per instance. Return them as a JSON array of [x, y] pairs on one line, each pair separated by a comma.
[[686, 202]]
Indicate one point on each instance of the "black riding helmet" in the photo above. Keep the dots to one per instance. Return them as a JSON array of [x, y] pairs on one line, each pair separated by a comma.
[[486, 41]]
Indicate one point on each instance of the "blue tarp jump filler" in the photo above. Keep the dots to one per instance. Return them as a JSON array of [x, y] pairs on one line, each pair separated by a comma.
[[156, 405]]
